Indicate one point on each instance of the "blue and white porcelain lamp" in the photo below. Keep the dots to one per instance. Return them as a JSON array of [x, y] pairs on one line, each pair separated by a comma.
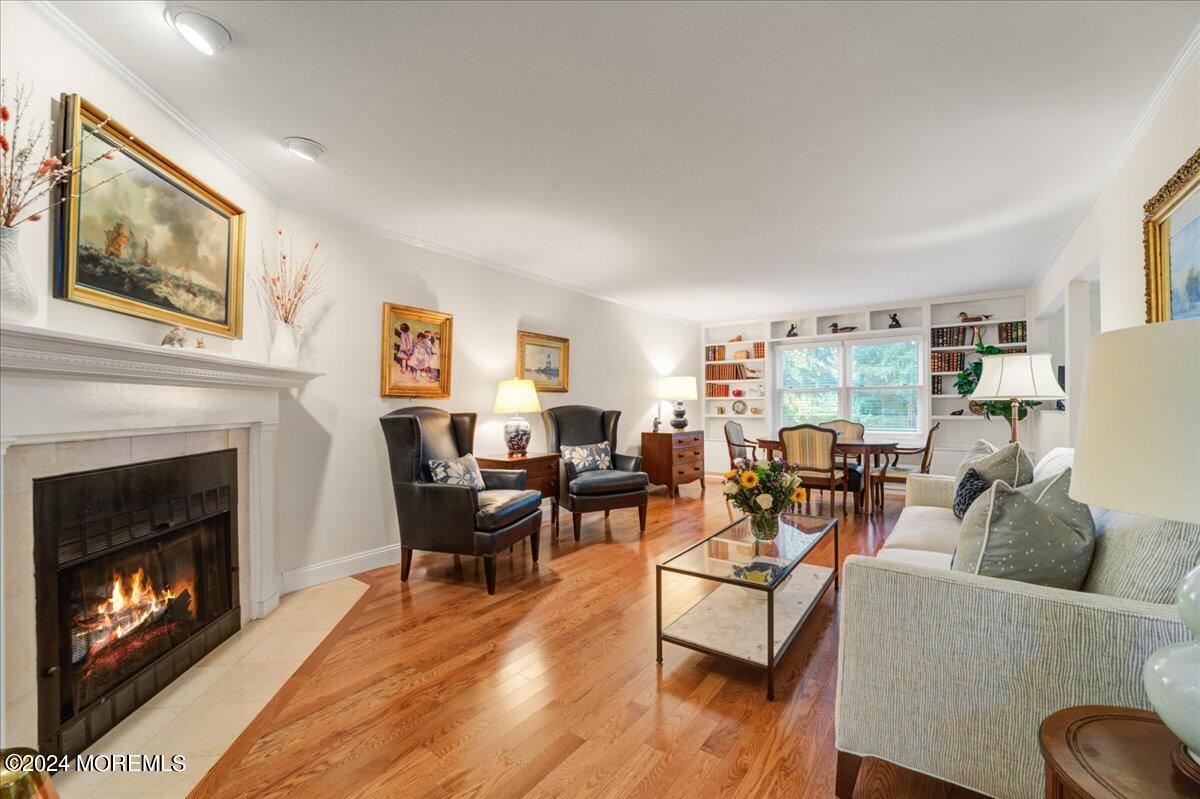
[[516, 397], [1138, 451]]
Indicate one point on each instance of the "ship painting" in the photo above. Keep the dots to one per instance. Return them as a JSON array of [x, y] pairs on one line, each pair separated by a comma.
[[548, 370], [543, 358]]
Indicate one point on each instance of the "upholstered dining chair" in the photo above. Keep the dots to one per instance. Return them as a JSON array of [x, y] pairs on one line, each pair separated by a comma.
[[456, 519], [621, 485], [846, 429], [809, 448], [738, 445], [896, 472]]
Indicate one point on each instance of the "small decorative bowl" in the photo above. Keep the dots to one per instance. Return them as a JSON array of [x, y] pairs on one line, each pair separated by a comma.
[[761, 571]]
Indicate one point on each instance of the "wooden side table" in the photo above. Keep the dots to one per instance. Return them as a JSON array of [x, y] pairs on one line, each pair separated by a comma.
[[541, 474], [674, 458], [1101, 752]]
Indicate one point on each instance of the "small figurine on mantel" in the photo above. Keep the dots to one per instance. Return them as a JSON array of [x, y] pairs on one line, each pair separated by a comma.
[[792, 331], [965, 318], [895, 323], [176, 337], [836, 328]]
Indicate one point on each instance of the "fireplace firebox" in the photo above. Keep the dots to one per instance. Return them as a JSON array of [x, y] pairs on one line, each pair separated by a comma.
[[136, 580]]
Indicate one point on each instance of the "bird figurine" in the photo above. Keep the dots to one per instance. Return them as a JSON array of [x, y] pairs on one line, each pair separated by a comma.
[[964, 318], [836, 328]]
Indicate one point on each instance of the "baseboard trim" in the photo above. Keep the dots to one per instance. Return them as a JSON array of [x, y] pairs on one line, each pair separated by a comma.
[[329, 570]]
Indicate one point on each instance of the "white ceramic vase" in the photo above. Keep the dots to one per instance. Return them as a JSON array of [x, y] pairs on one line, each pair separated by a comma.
[[18, 300], [1172, 674], [285, 345]]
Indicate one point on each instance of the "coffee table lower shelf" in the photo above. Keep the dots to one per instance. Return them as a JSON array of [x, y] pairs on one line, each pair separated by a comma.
[[732, 623]]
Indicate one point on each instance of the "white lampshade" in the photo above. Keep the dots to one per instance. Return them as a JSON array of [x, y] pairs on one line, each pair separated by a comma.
[[516, 396], [1018, 375], [677, 388], [1137, 448]]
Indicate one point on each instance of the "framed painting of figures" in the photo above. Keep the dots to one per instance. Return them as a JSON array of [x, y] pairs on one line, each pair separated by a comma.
[[416, 355], [1171, 231], [140, 236], [544, 359]]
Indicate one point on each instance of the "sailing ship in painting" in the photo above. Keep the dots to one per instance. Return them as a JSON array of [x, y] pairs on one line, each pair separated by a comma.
[[548, 370], [127, 264]]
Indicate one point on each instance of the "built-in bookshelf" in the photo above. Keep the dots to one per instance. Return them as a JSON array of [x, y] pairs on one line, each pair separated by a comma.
[[938, 323]]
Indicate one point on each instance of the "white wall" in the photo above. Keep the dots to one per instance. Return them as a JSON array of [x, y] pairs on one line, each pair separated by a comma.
[[335, 496], [1108, 241]]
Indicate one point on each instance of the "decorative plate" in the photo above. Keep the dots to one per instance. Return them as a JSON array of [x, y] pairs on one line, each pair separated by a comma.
[[976, 408], [739, 407]]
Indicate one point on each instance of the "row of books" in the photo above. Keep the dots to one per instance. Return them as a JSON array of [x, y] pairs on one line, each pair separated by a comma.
[[948, 337], [1011, 332], [936, 384], [947, 361], [716, 390], [726, 371], [735, 351]]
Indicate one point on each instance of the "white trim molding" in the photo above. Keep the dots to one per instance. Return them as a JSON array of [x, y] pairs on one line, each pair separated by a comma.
[[41, 352], [337, 568]]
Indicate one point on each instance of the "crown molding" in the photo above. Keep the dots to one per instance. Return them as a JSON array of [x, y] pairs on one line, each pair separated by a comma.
[[395, 235], [1182, 62], [76, 35]]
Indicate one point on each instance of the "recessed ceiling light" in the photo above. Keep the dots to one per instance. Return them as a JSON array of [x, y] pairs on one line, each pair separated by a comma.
[[197, 29], [304, 148]]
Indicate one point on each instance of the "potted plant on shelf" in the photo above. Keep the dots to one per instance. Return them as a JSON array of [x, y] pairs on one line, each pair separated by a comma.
[[285, 286], [763, 489], [968, 378]]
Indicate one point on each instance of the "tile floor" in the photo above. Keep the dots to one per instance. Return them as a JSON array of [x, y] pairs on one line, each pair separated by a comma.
[[220, 695]]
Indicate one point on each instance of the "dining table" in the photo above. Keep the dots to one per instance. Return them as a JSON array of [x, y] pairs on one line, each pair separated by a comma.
[[870, 451]]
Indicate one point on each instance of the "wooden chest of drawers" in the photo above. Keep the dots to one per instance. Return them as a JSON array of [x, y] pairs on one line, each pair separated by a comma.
[[673, 459], [541, 474]]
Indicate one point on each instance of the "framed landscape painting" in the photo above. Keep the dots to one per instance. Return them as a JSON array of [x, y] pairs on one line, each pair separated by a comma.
[[544, 359], [1172, 238], [416, 354], [147, 239]]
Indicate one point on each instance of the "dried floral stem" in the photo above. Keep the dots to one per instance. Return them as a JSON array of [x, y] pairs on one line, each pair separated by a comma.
[[285, 285]]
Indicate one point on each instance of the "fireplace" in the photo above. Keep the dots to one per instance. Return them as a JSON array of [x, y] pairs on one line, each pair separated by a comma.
[[136, 580]]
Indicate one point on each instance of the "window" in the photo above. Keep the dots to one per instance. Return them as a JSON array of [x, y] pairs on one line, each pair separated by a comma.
[[875, 382]]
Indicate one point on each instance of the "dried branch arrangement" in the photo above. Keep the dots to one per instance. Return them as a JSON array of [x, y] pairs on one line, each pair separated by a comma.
[[286, 284]]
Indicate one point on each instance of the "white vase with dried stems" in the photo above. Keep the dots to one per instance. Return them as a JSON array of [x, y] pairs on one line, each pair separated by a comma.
[[285, 286], [29, 173]]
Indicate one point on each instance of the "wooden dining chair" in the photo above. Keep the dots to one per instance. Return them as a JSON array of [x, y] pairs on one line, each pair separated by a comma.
[[896, 472], [855, 483], [739, 446], [810, 449]]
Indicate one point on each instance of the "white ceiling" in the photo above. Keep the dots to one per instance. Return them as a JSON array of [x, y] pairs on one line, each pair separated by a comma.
[[706, 160]]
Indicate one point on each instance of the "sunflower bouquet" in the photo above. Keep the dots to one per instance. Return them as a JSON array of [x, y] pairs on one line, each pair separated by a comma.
[[763, 490]]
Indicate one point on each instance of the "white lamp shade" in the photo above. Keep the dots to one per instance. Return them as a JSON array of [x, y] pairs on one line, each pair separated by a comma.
[[516, 396], [677, 388], [1019, 375], [1137, 448]]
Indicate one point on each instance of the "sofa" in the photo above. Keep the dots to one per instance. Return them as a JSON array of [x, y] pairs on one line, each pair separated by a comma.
[[951, 674]]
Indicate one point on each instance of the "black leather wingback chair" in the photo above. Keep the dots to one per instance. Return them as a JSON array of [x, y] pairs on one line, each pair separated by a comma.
[[435, 517], [623, 486]]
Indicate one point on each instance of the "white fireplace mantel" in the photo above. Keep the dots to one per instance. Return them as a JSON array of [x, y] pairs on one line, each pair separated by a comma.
[[53, 353]]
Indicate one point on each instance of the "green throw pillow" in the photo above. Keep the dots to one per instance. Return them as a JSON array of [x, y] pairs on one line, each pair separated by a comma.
[[1009, 463], [1036, 534]]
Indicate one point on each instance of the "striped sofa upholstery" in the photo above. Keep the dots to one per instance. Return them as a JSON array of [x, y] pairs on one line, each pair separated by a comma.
[[950, 674]]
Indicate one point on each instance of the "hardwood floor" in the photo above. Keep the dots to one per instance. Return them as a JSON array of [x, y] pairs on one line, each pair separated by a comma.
[[550, 688]]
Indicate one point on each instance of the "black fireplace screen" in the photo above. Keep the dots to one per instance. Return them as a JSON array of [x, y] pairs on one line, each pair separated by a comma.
[[124, 610]]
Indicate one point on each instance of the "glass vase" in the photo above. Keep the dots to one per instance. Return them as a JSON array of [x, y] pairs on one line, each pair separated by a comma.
[[764, 525], [285, 345]]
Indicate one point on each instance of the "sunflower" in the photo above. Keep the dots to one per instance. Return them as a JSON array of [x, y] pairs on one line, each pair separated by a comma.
[[799, 495], [749, 479], [729, 474]]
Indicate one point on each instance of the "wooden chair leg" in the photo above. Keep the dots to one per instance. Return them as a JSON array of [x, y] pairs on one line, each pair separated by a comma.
[[606, 514], [576, 522], [845, 486], [848, 766], [642, 518], [489, 572], [405, 563], [534, 541]]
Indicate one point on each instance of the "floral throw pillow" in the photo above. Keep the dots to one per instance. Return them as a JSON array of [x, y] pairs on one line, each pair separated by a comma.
[[462, 471], [588, 457]]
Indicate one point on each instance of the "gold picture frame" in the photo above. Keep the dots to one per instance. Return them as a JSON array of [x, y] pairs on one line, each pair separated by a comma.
[[1157, 234], [544, 359], [415, 352], [173, 247]]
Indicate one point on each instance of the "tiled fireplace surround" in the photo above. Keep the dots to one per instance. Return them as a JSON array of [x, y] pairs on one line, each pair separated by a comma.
[[74, 403]]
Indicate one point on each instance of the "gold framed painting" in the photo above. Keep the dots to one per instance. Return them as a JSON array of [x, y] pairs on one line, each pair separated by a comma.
[[544, 359], [415, 352], [141, 236], [1171, 229]]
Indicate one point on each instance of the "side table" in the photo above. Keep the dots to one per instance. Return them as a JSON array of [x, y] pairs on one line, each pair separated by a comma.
[[1102, 752], [541, 474]]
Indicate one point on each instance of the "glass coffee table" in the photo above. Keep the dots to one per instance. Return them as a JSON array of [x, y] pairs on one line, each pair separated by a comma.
[[751, 618]]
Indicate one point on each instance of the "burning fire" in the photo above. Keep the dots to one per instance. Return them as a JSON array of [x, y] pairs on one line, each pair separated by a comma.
[[129, 605]]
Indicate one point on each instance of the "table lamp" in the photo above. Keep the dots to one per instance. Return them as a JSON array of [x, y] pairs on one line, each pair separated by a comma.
[[1137, 451], [516, 397], [678, 389], [1015, 377]]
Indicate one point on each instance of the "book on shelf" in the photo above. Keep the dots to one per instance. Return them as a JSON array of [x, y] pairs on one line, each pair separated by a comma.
[[714, 352], [936, 384], [760, 349], [1011, 332], [716, 390], [947, 361], [727, 371], [948, 336]]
